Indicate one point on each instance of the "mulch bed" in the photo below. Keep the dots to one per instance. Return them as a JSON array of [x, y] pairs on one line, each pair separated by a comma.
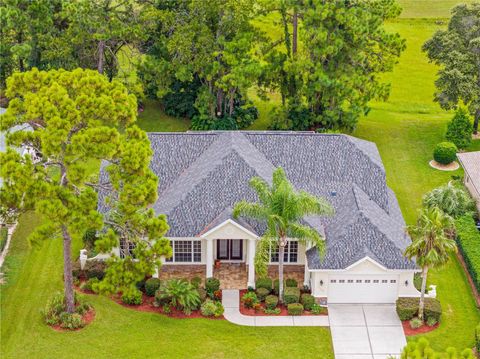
[[87, 318], [259, 313], [409, 331]]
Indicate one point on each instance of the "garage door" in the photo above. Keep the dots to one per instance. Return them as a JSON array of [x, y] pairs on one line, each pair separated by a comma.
[[362, 289]]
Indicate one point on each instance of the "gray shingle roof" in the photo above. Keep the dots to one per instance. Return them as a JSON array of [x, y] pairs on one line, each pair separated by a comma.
[[203, 174]]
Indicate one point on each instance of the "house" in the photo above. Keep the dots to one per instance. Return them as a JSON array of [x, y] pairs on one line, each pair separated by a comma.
[[471, 164], [203, 174]]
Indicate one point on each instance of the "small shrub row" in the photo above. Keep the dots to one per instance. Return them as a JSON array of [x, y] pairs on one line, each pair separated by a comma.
[[407, 308], [291, 295], [295, 309], [55, 312], [468, 239]]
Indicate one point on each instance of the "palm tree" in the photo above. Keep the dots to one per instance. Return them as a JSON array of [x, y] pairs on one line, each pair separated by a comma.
[[451, 198], [431, 244], [282, 208]]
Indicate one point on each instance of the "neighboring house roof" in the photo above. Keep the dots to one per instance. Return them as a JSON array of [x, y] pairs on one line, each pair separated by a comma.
[[471, 164], [203, 174]]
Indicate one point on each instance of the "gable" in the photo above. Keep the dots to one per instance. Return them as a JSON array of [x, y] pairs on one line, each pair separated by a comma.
[[229, 230]]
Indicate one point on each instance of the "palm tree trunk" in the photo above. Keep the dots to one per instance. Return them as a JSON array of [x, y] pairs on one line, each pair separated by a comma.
[[421, 304], [281, 251], [67, 271]]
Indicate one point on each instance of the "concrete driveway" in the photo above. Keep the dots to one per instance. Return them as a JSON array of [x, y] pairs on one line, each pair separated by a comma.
[[365, 331]]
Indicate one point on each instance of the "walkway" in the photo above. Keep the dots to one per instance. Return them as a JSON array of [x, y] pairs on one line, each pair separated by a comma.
[[365, 331], [231, 300]]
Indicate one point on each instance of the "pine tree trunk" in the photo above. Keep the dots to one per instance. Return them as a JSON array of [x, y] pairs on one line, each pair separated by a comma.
[[421, 304], [101, 56], [281, 251], [67, 271], [475, 121]]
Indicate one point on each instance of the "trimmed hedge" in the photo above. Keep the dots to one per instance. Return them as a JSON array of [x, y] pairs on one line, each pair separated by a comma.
[[468, 240], [151, 286], [271, 301], [291, 295], [265, 283], [262, 293], [307, 300], [93, 269], [295, 309], [445, 153], [290, 282], [407, 308]]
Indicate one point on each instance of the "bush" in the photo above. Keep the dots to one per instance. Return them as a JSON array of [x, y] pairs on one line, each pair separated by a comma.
[[415, 323], [292, 283], [460, 129], [271, 301], [477, 337], [295, 309], [212, 285], [55, 312], [141, 285], [452, 199], [202, 293], [421, 349], [276, 286], [407, 308], [204, 122], [212, 308], [318, 309], [307, 300], [3, 237], [180, 101], [88, 285], [179, 294], [196, 282], [262, 294], [291, 295], [132, 297], [431, 322], [249, 299], [445, 153], [265, 283], [468, 240], [151, 286], [93, 269], [272, 311]]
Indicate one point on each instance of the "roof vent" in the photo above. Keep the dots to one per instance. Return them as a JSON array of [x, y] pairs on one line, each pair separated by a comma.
[[333, 193]]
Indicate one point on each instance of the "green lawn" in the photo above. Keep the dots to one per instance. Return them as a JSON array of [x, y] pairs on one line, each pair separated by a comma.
[[405, 130]]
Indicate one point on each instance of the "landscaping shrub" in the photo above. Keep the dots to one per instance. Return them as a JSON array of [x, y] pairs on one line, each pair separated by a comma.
[[295, 309], [202, 293], [55, 314], [180, 100], [212, 308], [415, 323], [271, 301], [93, 269], [291, 295], [460, 129], [3, 237], [212, 284], [265, 283], [179, 294], [272, 311], [477, 337], [407, 308], [468, 240], [445, 153], [276, 286], [132, 297], [431, 321], [141, 285], [452, 198], [151, 286], [318, 309], [307, 300], [262, 294], [88, 285], [196, 282], [249, 299], [292, 283], [416, 349]]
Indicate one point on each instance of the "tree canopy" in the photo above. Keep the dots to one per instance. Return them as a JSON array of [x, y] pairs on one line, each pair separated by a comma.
[[457, 51], [79, 118]]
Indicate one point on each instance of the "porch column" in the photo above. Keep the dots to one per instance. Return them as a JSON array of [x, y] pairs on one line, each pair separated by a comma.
[[209, 257], [306, 275], [251, 262]]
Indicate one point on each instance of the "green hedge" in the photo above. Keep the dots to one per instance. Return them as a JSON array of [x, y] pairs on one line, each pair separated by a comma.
[[151, 286], [477, 337], [3, 237], [262, 293], [291, 295], [295, 309], [271, 301], [468, 240], [307, 300], [263, 283], [407, 308]]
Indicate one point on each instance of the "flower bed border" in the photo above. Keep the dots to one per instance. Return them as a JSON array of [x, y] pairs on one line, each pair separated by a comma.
[[409, 331]]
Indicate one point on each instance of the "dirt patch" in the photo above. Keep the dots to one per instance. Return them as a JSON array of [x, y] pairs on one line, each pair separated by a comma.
[[407, 329], [87, 318], [260, 312], [450, 167]]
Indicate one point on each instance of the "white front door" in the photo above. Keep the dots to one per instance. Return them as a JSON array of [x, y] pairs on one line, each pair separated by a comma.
[[359, 288]]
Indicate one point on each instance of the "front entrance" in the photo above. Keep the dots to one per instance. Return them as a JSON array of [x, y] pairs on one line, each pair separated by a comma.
[[230, 249]]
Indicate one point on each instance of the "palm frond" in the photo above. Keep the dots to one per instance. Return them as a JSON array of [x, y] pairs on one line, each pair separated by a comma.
[[307, 235], [262, 255], [310, 205], [248, 209], [262, 189]]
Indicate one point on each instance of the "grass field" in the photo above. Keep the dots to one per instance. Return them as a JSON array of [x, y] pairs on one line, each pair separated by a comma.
[[405, 129]]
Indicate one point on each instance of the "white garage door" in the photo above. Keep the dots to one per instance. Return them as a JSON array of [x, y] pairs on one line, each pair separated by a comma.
[[362, 289]]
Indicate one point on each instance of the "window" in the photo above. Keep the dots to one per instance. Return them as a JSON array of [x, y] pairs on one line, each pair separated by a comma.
[[186, 251], [341, 281], [367, 280], [393, 281], [126, 248], [350, 281], [290, 255], [359, 281], [384, 281], [376, 281], [333, 281]]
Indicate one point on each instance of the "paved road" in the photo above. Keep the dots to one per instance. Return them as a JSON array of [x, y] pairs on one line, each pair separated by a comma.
[[365, 331]]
